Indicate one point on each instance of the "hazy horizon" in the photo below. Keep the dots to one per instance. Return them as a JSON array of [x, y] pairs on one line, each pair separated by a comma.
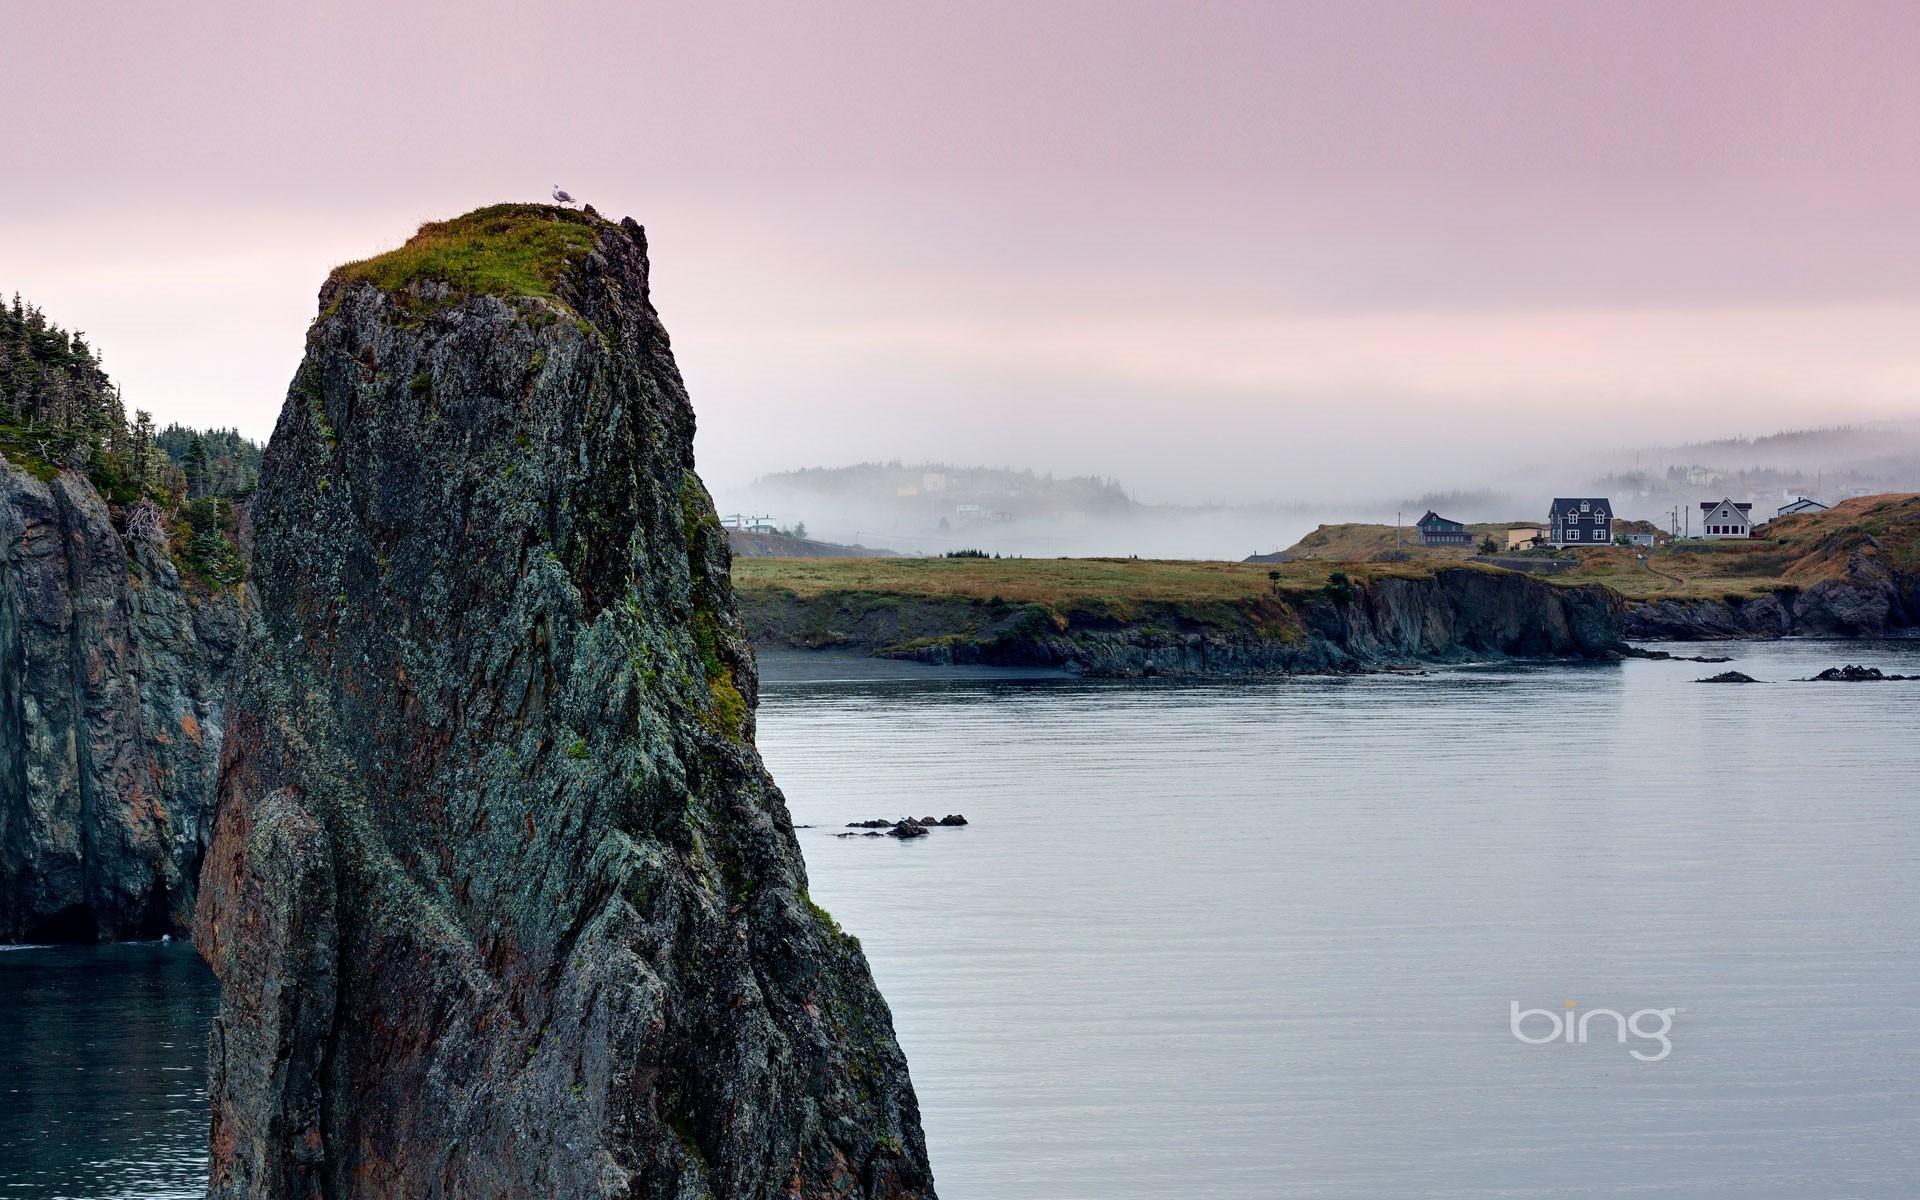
[[1236, 252]]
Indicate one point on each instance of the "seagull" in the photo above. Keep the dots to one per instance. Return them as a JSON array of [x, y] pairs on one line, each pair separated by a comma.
[[561, 196]]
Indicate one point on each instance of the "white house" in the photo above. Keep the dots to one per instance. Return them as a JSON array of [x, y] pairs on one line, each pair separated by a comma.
[[1799, 506], [1725, 519]]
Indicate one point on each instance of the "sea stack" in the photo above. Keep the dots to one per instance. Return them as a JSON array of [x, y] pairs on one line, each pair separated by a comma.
[[502, 900]]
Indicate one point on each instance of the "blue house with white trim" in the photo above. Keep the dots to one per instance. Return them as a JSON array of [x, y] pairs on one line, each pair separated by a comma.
[[1580, 521]]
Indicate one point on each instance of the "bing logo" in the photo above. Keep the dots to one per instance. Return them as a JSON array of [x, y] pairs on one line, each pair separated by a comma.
[[1539, 1026]]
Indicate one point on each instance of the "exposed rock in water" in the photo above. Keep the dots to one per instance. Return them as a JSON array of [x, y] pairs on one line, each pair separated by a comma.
[[502, 901], [1669, 656], [1855, 674], [113, 673], [950, 820], [1728, 677]]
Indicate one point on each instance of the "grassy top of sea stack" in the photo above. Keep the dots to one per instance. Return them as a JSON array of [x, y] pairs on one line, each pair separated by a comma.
[[504, 250]]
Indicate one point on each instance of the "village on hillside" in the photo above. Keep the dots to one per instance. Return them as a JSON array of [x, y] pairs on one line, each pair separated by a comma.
[[1572, 522]]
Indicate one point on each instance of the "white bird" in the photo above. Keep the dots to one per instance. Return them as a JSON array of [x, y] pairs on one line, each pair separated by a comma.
[[561, 196]]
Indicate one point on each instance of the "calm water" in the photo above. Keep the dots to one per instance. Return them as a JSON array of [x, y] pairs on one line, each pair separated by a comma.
[[103, 1072], [1260, 940]]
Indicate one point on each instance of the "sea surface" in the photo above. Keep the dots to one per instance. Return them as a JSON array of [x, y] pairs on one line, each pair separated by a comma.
[[103, 1054], [1264, 939]]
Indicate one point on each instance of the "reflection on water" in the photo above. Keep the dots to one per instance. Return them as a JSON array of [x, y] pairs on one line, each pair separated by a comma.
[[103, 1072], [1261, 939]]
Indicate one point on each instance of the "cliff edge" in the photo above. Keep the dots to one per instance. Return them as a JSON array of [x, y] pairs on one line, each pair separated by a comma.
[[1129, 617], [502, 901]]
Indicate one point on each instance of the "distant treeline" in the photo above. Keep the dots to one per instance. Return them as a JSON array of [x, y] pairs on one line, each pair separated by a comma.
[[216, 462]]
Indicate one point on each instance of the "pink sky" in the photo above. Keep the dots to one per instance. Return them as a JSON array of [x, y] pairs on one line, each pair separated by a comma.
[[1217, 250]]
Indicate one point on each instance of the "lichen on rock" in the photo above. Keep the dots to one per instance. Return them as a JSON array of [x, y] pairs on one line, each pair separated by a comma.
[[502, 900]]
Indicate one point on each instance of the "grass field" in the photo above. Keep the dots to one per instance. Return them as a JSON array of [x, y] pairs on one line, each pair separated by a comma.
[[1057, 582]]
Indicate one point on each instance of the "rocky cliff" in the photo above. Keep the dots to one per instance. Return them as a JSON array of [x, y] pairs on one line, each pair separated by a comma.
[[1868, 596], [112, 679], [1450, 615], [501, 898]]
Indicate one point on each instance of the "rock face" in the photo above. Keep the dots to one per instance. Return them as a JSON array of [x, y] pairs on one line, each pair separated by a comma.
[[501, 898], [112, 680], [1871, 598], [1457, 614]]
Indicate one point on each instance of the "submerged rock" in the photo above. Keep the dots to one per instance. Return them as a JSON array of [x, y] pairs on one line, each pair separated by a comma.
[[1728, 677], [113, 672], [502, 901]]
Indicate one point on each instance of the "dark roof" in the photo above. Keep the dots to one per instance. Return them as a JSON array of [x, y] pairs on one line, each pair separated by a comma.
[[1710, 505], [1434, 518], [1563, 503]]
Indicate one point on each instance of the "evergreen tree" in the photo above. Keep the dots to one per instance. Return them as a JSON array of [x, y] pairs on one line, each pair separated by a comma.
[[199, 468]]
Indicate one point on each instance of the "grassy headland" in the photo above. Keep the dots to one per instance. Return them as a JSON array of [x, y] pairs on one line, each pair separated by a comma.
[[1127, 617], [1014, 610]]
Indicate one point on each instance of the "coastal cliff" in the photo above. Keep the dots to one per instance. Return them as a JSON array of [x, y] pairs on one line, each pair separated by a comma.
[[501, 899], [1854, 583], [113, 670], [1244, 628]]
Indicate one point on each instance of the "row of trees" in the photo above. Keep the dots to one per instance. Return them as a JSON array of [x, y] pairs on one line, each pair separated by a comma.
[[58, 408], [53, 387], [175, 486]]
